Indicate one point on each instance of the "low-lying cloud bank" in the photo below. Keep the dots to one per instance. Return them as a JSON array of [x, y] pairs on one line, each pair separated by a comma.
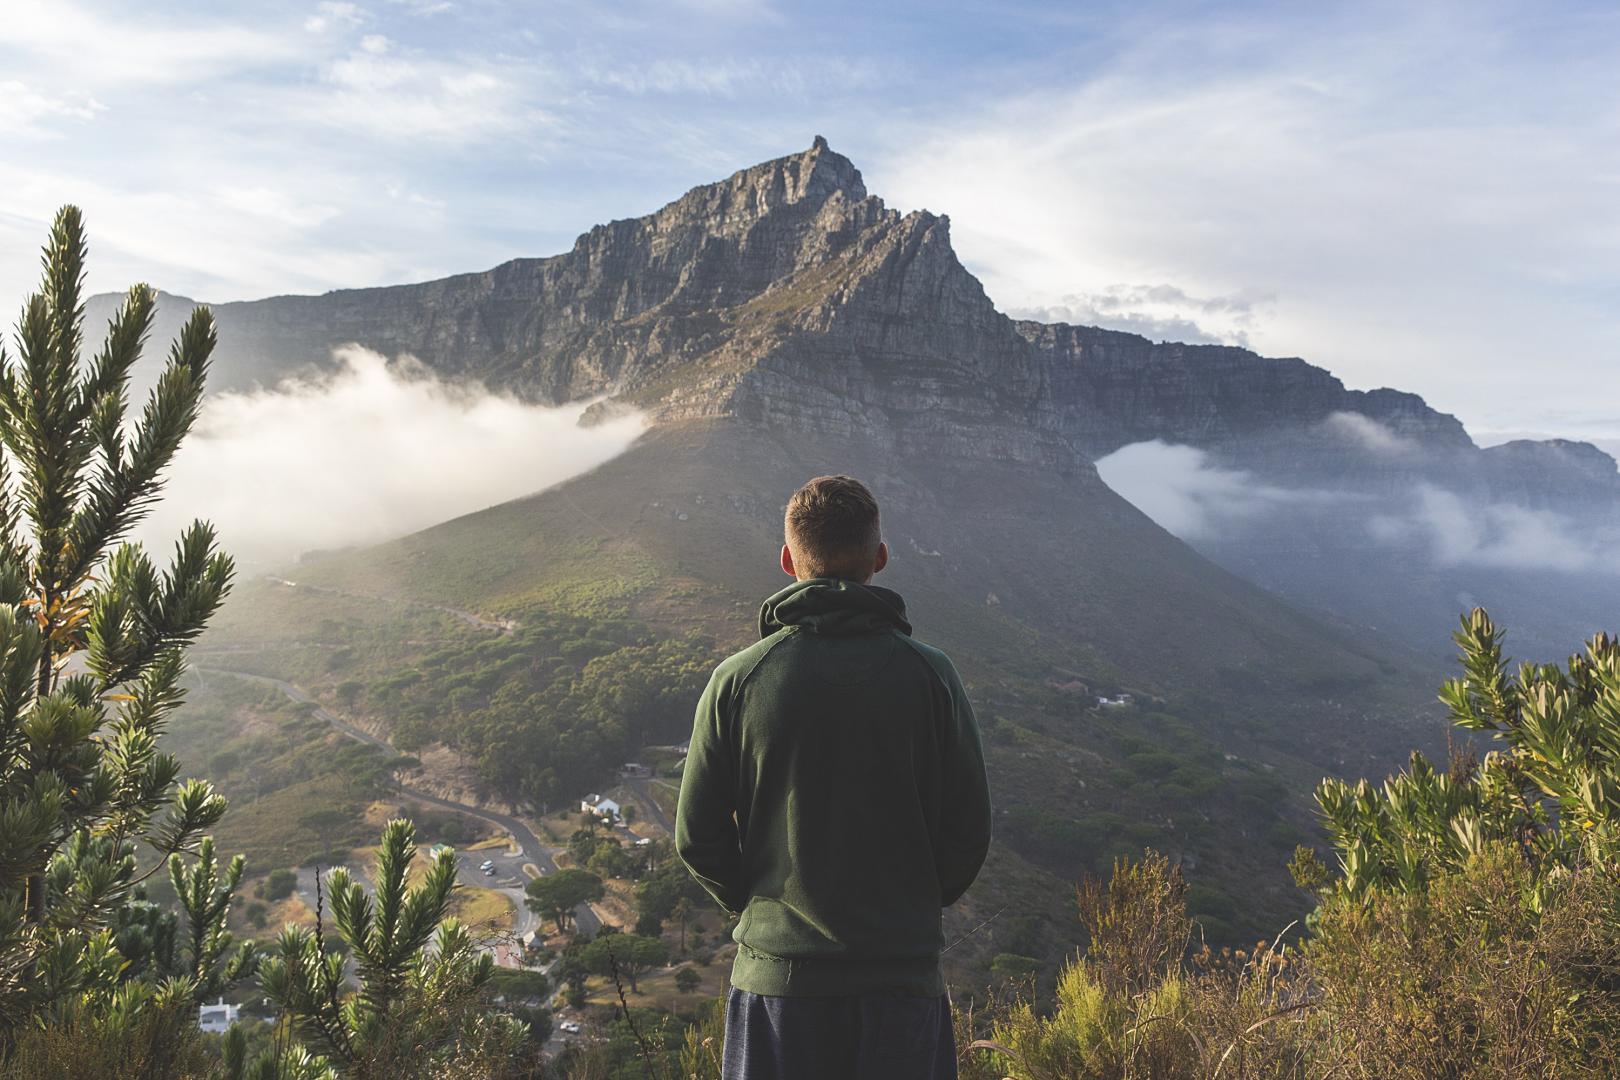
[[1181, 489], [369, 451], [1458, 532], [1184, 493]]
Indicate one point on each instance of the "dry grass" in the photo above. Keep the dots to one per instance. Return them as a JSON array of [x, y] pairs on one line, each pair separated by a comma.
[[484, 911]]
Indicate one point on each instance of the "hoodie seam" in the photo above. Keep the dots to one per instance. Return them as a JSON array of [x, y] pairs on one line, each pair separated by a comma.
[[944, 684], [742, 680]]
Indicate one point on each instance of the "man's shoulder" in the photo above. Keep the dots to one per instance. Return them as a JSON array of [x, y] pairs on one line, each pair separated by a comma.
[[935, 658], [738, 665]]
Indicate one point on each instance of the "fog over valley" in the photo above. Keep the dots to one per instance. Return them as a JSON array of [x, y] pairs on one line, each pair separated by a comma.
[[367, 451]]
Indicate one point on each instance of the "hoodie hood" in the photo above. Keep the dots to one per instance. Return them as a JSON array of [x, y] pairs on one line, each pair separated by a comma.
[[834, 607]]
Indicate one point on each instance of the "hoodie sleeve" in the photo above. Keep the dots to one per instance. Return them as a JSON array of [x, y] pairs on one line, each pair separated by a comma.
[[964, 832], [705, 823]]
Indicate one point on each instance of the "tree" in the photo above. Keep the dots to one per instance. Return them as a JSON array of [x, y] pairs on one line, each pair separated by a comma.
[[683, 915], [419, 1005], [612, 860], [687, 980], [584, 842], [277, 885], [1559, 733], [557, 895], [210, 955], [627, 955], [92, 637]]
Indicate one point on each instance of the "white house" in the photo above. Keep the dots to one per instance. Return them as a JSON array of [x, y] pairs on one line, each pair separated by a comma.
[[606, 809], [217, 1018]]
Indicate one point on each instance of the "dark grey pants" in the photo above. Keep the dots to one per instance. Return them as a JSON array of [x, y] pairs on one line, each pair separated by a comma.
[[838, 1038]]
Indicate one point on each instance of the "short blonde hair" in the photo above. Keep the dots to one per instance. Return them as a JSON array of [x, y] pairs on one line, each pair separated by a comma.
[[831, 526]]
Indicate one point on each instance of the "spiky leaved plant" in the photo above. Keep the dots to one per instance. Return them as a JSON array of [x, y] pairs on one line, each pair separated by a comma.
[[418, 1010], [1551, 788], [92, 634]]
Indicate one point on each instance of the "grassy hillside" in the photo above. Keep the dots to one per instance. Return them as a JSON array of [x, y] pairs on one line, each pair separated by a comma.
[[627, 583]]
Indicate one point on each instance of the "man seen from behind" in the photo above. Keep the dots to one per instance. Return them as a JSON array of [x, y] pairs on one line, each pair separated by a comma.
[[834, 797]]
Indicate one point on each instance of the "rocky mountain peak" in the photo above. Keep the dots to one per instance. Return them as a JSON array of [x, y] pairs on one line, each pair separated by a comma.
[[803, 184]]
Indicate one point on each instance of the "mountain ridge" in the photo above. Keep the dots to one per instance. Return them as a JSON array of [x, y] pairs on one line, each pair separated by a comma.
[[788, 296], [801, 186]]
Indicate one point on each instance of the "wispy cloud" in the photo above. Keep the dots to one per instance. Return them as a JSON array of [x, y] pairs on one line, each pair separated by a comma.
[[1160, 312], [1464, 532], [1427, 191], [1188, 494], [380, 90], [27, 110], [124, 46], [1367, 434]]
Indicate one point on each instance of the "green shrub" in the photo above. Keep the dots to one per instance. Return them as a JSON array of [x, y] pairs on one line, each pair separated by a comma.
[[277, 885]]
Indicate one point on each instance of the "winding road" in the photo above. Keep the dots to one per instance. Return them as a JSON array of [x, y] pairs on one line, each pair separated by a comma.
[[530, 849]]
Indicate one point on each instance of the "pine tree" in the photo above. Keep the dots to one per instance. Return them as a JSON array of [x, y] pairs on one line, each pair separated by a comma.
[[92, 638], [419, 1005]]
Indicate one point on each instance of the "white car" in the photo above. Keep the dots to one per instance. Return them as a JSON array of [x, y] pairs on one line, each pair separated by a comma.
[[570, 1027]]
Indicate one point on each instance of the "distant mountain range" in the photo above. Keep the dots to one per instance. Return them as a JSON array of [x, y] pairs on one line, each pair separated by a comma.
[[787, 299]]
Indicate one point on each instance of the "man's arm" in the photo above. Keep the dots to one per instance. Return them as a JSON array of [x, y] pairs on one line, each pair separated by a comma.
[[705, 819], [964, 832]]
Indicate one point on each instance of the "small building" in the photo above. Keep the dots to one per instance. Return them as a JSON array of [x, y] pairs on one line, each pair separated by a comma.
[[606, 809], [217, 1018], [1114, 702]]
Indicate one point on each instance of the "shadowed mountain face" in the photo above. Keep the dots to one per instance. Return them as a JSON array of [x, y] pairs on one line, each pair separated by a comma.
[[787, 299]]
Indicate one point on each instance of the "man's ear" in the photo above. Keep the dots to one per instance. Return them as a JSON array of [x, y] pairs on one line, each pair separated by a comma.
[[787, 562], [882, 559]]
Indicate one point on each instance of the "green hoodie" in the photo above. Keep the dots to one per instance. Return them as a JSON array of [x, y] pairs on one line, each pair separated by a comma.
[[849, 755]]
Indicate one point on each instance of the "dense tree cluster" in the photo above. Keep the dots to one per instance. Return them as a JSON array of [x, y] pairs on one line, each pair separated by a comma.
[[561, 698]]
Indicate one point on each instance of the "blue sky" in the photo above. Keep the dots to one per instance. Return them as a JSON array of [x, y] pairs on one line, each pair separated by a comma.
[[1419, 195]]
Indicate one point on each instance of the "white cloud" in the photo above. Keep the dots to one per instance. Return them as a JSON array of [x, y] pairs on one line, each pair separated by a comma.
[[136, 47], [1426, 190], [1463, 532], [1181, 490], [331, 15], [391, 94], [1367, 433], [1185, 494], [277, 205], [25, 109], [1159, 312], [371, 451]]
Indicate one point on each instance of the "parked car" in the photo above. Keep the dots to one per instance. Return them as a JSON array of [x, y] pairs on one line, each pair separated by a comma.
[[489, 871], [487, 865], [570, 1027]]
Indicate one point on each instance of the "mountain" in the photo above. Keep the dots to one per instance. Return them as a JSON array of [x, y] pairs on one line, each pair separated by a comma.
[[788, 297], [783, 323]]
